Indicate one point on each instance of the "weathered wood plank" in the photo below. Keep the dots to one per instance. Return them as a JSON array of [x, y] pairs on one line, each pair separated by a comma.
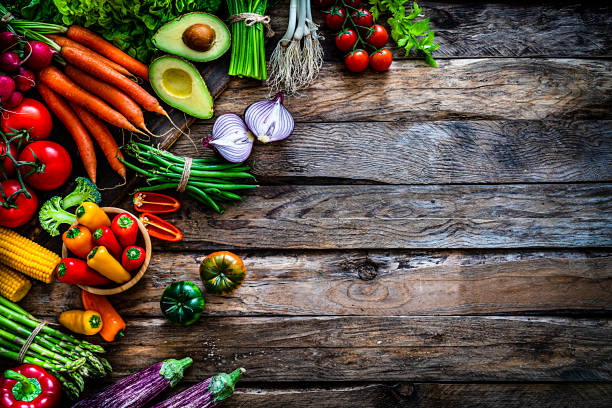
[[460, 89], [366, 216], [372, 283], [434, 152], [376, 348], [483, 29]]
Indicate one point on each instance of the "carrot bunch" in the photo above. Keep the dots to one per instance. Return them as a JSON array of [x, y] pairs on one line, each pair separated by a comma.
[[96, 86]]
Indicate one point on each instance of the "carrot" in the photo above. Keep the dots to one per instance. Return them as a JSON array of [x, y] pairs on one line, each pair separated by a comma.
[[105, 140], [60, 107], [99, 44], [110, 94], [112, 324], [81, 60], [60, 83], [67, 42]]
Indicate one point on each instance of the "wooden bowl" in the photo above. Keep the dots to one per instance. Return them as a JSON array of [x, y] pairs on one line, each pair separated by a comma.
[[143, 238]]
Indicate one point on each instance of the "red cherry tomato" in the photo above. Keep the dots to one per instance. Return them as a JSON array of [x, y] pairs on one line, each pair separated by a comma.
[[352, 3], [55, 165], [31, 115], [322, 3], [381, 60], [20, 210], [334, 17], [362, 17], [377, 36], [357, 60], [6, 163], [346, 39]]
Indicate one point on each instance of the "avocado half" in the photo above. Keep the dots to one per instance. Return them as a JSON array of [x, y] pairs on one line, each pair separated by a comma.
[[180, 85], [195, 36]]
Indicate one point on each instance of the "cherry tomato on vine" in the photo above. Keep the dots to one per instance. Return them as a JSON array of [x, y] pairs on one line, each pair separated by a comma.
[[357, 60], [31, 115], [334, 17], [362, 17], [21, 210], [352, 3], [6, 162], [377, 36], [346, 39], [322, 3], [55, 165], [381, 60]]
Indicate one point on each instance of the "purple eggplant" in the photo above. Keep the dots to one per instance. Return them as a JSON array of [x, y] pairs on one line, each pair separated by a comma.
[[138, 389], [207, 394]]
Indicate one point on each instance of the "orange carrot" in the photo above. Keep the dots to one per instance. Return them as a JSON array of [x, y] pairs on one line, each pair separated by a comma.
[[99, 44], [60, 83], [67, 42], [60, 107], [82, 61], [105, 140], [109, 93]]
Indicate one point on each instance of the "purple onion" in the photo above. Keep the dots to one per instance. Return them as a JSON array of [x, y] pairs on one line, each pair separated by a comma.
[[37, 55], [7, 86], [9, 61], [24, 80], [14, 100], [8, 40], [231, 138], [269, 120]]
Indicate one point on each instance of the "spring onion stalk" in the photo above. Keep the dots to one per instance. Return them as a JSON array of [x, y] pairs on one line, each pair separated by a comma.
[[248, 55]]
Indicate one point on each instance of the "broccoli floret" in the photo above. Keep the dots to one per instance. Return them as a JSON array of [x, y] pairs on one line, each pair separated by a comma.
[[52, 215], [84, 191]]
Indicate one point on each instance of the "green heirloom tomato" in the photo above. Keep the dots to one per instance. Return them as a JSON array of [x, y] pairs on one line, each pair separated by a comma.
[[222, 273], [182, 303]]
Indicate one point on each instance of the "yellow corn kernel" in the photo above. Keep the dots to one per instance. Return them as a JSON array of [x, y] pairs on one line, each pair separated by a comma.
[[26, 256], [13, 285]]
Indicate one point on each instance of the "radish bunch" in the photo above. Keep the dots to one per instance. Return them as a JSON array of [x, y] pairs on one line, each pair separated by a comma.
[[17, 66]]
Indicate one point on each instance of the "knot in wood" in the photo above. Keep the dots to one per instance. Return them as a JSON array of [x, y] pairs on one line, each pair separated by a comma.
[[367, 270]]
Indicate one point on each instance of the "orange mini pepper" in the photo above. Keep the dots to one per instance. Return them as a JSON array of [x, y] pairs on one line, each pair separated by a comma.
[[113, 325], [78, 240]]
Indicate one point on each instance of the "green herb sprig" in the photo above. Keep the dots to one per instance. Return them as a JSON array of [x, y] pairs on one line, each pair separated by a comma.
[[409, 31]]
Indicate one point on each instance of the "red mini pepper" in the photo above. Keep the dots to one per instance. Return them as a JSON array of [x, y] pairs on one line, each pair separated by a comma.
[[76, 271], [103, 236], [30, 386], [160, 229], [125, 228], [155, 202], [132, 258]]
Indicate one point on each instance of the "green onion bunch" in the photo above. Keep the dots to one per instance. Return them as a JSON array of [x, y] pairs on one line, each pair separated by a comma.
[[248, 57]]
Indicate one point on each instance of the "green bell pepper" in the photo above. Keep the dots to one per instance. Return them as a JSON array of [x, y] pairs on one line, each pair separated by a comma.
[[182, 303]]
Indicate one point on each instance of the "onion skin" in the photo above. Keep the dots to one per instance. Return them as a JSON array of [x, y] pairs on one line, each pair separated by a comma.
[[230, 138], [269, 120]]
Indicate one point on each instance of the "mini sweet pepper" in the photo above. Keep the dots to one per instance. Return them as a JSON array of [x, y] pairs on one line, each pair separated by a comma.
[[29, 386], [91, 216], [103, 236], [76, 271], [78, 240], [100, 260], [88, 322], [133, 258], [125, 228]]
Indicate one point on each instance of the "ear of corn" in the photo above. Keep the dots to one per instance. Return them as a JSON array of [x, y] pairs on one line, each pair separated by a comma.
[[13, 285], [26, 256]]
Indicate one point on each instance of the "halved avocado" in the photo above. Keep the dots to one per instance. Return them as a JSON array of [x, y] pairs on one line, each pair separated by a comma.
[[195, 36], [180, 85]]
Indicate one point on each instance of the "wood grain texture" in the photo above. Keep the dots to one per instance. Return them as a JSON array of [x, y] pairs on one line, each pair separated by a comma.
[[434, 152], [279, 349], [483, 29], [365, 216], [374, 283]]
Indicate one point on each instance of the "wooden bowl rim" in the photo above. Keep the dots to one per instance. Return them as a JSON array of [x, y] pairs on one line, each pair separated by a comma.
[[127, 285]]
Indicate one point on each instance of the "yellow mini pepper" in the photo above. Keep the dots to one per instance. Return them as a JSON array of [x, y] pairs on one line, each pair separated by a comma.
[[87, 322], [101, 261], [91, 216]]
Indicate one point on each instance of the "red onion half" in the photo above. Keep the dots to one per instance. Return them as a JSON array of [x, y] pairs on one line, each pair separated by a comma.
[[231, 138], [269, 120]]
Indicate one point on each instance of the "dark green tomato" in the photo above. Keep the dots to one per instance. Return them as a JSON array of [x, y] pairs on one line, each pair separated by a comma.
[[222, 273], [182, 303]]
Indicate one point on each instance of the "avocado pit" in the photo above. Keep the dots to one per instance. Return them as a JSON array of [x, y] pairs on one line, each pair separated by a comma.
[[199, 37]]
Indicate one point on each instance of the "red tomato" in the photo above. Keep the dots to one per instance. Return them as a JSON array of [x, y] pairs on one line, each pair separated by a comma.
[[24, 207], [31, 115], [357, 60], [352, 3], [55, 165], [322, 3], [381, 60], [377, 36], [346, 39], [6, 163], [362, 17], [334, 17]]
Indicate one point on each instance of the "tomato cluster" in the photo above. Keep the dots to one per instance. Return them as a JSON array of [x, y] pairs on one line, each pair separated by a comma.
[[356, 31]]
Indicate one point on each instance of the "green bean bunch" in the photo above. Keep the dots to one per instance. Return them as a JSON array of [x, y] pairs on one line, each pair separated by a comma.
[[211, 182]]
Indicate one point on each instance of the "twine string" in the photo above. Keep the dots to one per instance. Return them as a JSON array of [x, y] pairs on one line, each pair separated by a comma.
[[182, 185], [251, 19], [7, 17], [29, 341]]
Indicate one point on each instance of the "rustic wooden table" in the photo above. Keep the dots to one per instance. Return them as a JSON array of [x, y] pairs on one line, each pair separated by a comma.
[[426, 238]]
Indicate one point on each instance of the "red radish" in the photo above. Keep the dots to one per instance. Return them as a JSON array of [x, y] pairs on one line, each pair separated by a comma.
[[24, 79], [7, 86], [9, 61], [38, 55], [8, 40], [14, 100]]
